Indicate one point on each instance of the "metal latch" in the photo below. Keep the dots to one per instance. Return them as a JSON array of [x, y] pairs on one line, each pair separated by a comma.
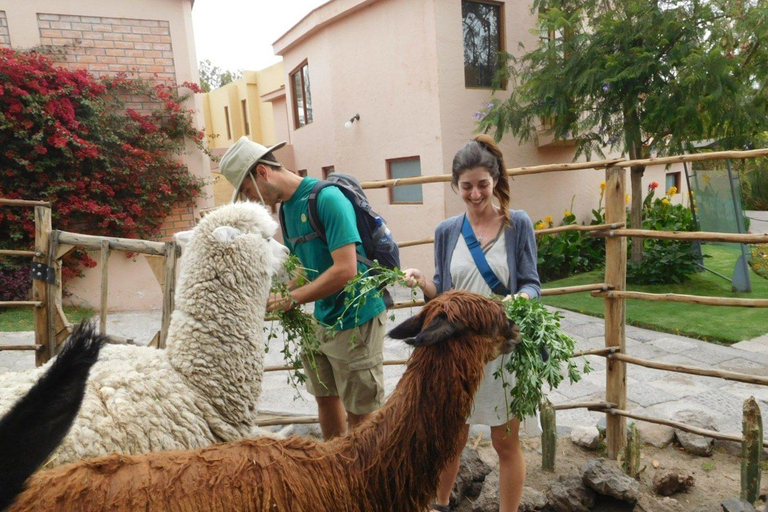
[[43, 272]]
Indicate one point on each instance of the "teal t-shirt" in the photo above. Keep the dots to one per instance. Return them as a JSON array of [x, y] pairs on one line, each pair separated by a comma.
[[338, 218]]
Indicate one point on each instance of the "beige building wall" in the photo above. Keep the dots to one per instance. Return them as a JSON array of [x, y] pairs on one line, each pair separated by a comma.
[[150, 38], [399, 64]]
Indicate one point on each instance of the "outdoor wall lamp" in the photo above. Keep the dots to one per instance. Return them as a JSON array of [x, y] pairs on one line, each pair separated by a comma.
[[348, 124]]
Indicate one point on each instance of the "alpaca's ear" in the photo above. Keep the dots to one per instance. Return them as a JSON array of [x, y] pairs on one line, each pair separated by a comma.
[[439, 330], [408, 329], [183, 237], [226, 234]]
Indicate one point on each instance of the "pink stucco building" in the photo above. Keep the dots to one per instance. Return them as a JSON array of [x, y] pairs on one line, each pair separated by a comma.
[[413, 74]]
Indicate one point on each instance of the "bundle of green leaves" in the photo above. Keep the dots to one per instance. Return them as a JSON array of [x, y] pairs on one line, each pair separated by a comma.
[[540, 333], [297, 325]]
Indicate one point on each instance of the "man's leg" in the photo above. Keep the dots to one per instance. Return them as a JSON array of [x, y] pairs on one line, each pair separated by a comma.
[[354, 420], [332, 417]]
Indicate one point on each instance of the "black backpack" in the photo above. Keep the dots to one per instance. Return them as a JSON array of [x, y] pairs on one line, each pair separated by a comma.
[[377, 241]]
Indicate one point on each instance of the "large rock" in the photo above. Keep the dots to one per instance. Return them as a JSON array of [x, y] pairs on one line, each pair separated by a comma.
[[569, 494], [488, 501], [605, 478], [693, 443], [674, 480], [586, 437], [659, 436], [472, 473], [737, 505]]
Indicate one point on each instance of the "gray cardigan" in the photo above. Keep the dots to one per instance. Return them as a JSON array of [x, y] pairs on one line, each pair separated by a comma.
[[520, 246]]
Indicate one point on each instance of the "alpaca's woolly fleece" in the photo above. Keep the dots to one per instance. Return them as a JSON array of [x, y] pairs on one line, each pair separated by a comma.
[[205, 386]]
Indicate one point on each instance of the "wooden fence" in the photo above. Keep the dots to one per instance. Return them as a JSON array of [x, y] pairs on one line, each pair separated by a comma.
[[51, 246]]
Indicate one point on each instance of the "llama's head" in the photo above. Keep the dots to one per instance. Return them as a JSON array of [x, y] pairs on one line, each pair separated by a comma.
[[243, 227], [461, 317]]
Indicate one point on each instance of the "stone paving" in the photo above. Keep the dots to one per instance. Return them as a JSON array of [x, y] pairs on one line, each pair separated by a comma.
[[650, 392]]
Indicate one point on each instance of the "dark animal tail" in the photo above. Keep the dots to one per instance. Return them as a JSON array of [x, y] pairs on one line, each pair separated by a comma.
[[38, 422]]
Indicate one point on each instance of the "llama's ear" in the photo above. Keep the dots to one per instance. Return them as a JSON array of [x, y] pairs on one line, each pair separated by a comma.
[[226, 234], [439, 330], [408, 329]]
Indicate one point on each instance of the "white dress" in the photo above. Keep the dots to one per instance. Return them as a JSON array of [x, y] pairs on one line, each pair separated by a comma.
[[490, 404]]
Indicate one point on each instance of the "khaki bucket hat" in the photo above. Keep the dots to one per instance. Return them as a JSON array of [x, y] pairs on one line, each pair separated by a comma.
[[243, 156]]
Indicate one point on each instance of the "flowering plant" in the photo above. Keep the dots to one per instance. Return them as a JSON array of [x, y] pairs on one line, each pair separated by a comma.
[[68, 138]]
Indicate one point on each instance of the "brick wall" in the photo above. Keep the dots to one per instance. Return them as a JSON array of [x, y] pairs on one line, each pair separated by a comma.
[[111, 45], [107, 46], [5, 38]]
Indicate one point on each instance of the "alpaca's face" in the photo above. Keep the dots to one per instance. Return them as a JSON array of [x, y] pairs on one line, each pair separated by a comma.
[[454, 314], [230, 223]]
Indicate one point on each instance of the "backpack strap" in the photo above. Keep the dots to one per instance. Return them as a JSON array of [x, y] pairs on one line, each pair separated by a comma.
[[482, 264]]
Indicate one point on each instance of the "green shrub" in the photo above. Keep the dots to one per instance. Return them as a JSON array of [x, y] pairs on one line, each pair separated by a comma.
[[664, 261]]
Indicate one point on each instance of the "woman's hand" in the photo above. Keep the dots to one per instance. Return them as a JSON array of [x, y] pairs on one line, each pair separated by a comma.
[[510, 297], [415, 277]]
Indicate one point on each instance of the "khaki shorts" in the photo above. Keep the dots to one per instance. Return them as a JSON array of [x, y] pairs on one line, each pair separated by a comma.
[[349, 365]]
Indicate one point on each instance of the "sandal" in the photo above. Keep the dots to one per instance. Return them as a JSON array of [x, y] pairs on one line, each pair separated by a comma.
[[440, 508]]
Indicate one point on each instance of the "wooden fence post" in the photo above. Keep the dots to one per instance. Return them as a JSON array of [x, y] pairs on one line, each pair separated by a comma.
[[40, 288], [105, 252], [751, 450], [169, 288], [616, 278], [548, 435]]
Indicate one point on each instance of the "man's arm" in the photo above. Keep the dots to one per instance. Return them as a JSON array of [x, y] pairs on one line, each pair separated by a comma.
[[329, 282]]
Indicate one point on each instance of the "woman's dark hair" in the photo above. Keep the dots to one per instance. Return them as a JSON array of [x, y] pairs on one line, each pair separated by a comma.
[[482, 151]]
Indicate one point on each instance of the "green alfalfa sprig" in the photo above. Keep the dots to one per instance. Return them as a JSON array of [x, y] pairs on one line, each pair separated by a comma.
[[369, 283], [298, 326], [540, 333]]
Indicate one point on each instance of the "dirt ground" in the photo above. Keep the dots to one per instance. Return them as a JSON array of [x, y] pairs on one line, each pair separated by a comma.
[[717, 478]]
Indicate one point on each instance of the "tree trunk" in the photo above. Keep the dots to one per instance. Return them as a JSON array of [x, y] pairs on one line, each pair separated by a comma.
[[636, 217]]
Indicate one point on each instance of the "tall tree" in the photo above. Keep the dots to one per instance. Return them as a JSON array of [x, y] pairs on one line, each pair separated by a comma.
[[213, 77], [640, 77]]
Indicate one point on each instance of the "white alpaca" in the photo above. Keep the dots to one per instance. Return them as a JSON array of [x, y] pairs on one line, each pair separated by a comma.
[[204, 387]]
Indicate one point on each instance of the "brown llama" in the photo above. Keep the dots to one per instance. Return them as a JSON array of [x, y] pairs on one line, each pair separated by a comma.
[[389, 463]]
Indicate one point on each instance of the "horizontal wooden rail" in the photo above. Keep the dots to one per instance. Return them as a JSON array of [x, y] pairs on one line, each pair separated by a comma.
[[564, 290], [15, 303], [702, 236], [120, 244], [579, 227], [393, 362], [288, 420], [411, 243], [20, 347], [23, 202], [20, 253], [512, 172], [692, 370], [682, 426], [689, 299], [583, 405], [408, 304], [577, 166], [596, 352]]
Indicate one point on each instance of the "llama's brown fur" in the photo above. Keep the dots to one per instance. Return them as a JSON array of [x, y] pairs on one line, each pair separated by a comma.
[[389, 463]]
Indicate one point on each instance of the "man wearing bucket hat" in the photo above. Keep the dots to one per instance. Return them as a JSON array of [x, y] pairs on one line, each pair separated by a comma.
[[349, 375]]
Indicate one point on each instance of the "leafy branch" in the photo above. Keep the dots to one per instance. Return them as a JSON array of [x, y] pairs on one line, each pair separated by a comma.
[[298, 327], [540, 332], [367, 284]]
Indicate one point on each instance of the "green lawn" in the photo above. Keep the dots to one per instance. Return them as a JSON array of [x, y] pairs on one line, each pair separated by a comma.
[[713, 323], [22, 319]]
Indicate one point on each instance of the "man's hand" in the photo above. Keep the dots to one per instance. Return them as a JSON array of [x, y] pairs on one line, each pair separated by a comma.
[[279, 302]]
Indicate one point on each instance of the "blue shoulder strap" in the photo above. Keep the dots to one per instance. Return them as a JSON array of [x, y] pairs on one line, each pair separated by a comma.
[[482, 264]]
